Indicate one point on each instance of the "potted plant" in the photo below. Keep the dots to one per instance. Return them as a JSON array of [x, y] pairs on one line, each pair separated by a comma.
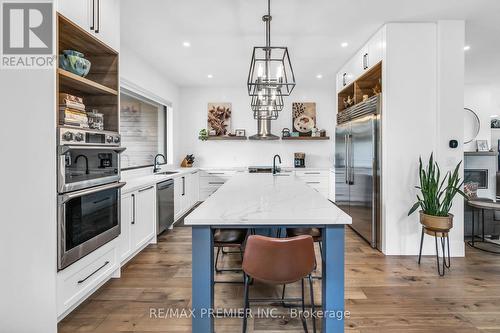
[[436, 196]]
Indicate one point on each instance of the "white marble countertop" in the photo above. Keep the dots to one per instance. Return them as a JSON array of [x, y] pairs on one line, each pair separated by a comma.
[[135, 183], [264, 199]]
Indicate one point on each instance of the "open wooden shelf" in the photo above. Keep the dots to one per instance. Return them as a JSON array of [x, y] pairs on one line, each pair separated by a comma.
[[229, 138], [99, 89], [364, 85], [306, 138], [74, 82]]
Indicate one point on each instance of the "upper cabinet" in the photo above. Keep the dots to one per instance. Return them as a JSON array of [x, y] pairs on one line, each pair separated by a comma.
[[100, 18], [366, 58]]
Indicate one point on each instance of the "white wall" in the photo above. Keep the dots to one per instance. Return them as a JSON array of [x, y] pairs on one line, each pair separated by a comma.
[[243, 153], [141, 73], [28, 202], [484, 100], [423, 85]]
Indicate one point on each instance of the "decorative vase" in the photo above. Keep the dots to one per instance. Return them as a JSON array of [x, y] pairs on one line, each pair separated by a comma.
[[74, 62]]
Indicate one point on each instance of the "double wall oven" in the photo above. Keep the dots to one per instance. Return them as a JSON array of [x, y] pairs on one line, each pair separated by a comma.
[[88, 181]]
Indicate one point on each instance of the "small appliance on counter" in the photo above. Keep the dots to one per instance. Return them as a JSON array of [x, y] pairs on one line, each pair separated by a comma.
[[300, 160]]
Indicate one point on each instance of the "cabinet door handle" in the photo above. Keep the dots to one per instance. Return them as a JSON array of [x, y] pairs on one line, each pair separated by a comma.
[[133, 209], [216, 183], [344, 82], [145, 189], [93, 15], [97, 270], [183, 185], [98, 17], [365, 61]]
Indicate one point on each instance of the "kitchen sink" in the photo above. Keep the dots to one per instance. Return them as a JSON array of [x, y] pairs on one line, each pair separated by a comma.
[[167, 173]]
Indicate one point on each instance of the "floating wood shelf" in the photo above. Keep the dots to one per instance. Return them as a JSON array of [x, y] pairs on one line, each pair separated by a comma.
[[306, 138], [480, 153], [230, 138], [86, 86]]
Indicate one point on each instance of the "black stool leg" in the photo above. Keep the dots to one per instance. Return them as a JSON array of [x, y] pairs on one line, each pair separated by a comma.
[[313, 307], [217, 260], [245, 305], [421, 243], [304, 323], [473, 222], [283, 296]]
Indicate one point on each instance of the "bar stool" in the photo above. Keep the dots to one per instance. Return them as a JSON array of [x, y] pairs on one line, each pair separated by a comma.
[[279, 261], [229, 238]]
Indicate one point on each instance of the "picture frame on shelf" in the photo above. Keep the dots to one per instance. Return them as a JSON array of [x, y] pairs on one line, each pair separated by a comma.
[[239, 132], [482, 145]]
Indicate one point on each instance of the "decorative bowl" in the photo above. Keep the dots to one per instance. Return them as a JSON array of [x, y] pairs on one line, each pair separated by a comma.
[[74, 62]]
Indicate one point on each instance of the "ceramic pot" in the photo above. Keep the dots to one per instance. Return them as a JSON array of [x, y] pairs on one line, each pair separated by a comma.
[[74, 62]]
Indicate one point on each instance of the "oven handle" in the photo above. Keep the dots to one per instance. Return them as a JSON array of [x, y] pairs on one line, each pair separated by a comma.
[[68, 196], [64, 149]]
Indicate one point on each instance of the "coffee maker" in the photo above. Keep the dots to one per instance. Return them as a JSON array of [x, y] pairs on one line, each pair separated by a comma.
[[300, 160]]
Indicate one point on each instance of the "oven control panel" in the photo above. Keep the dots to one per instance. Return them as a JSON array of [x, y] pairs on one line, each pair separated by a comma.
[[79, 136]]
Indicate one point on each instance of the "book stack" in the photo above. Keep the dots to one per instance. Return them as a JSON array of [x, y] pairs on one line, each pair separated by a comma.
[[72, 111]]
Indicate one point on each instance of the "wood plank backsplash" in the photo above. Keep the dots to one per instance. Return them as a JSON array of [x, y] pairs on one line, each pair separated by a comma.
[[139, 127]]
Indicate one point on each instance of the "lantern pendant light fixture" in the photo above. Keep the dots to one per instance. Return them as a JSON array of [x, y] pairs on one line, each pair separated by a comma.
[[270, 77]]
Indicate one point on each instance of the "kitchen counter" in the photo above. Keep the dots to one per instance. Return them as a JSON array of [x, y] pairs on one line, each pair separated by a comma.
[[264, 199], [255, 200], [134, 183]]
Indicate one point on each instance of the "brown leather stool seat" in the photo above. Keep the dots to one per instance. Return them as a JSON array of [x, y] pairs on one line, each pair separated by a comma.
[[230, 236], [279, 261], [315, 233]]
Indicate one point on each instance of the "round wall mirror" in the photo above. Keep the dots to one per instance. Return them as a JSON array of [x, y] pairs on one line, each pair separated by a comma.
[[472, 125]]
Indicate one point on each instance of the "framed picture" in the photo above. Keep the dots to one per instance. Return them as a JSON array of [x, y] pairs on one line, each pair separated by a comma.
[[304, 118], [482, 145], [219, 118], [239, 132]]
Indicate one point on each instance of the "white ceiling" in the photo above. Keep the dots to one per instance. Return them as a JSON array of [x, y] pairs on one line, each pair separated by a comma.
[[223, 32]]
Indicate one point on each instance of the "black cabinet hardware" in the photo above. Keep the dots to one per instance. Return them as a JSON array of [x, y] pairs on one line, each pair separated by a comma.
[[97, 270], [133, 209]]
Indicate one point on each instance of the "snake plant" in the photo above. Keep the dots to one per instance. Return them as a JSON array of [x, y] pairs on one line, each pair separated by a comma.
[[436, 194]]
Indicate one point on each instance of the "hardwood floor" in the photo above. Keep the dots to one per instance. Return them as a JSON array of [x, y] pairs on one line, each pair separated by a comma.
[[383, 294]]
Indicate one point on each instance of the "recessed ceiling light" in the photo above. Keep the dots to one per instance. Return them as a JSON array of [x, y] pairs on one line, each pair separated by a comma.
[[466, 47], [494, 116], [319, 76], [186, 44], [210, 76], [344, 44]]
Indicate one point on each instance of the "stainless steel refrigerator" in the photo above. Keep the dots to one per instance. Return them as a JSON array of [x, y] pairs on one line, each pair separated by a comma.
[[357, 168]]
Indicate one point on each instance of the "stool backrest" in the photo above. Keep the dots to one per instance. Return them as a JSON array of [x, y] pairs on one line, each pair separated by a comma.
[[279, 260]]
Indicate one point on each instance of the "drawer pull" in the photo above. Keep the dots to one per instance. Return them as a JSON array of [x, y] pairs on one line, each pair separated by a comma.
[[216, 183], [312, 173], [216, 173], [145, 189], [313, 183], [97, 270]]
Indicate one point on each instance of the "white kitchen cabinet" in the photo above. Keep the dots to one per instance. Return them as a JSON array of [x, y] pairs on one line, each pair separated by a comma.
[[211, 180], [100, 18], [375, 47], [317, 179], [178, 197], [144, 216], [193, 188], [78, 11], [126, 218], [79, 280], [331, 186]]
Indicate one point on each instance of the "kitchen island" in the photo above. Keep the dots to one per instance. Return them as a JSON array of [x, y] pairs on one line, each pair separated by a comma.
[[267, 201]]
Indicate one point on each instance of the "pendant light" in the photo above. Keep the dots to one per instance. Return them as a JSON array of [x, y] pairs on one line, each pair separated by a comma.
[[270, 76]]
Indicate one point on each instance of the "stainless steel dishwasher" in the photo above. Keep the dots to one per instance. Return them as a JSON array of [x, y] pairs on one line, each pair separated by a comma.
[[165, 205]]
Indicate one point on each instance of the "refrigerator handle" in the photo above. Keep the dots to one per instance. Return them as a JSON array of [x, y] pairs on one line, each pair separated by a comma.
[[346, 143], [351, 162]]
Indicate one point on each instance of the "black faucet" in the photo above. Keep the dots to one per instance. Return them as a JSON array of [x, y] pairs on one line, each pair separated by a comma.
[[86, 163], [156, 165], [275, 170]]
